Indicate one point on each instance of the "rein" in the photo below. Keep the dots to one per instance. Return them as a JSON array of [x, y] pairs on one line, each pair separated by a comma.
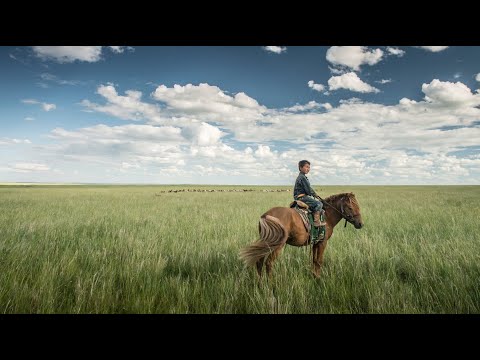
[[348, 218]]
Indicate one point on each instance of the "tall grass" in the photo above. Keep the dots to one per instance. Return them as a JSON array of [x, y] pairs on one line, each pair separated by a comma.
[[135, 249]]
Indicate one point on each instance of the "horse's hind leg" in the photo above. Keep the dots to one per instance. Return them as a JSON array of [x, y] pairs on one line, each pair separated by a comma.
[[259, 265], [271, 259]]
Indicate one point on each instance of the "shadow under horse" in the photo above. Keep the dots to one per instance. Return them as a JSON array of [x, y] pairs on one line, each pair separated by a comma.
[[282, 225]]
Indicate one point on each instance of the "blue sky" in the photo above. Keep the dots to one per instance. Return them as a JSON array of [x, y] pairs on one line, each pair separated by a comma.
[[240, 115]]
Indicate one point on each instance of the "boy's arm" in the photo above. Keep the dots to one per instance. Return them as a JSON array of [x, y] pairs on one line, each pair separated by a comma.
[[313, 193], [307, 188]]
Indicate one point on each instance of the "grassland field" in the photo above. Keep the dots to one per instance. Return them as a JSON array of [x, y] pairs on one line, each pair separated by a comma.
[[143, 249]]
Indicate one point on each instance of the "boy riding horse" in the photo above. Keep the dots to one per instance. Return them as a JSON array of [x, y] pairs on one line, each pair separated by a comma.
[[304, 192]]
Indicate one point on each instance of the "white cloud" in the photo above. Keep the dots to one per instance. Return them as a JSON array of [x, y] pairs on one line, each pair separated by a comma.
[[477, 77], [30, 101], [129, 107], [120, 49], [433, 48], [395, 51], [45, 106], [275, 49], [126, 133], [29, 118], [29, 167], [350, 81], [9, 141], [309, 106], [264, 151], [353, 56], [112, 146], [354, 142], [117, 49], [48, 107], [202, 134], [449, 94], [180, 105], [56, 79], [67, 54], [209, 103], [384, 81], [316, 87], [407, 102]]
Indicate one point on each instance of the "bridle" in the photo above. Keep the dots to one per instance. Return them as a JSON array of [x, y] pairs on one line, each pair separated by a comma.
[[347, 217]]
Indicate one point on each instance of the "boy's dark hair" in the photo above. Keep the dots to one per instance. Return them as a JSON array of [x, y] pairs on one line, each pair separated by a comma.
[[302, 163]]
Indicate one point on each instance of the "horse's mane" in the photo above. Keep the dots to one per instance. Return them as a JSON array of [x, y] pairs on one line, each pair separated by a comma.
[[334, 198]]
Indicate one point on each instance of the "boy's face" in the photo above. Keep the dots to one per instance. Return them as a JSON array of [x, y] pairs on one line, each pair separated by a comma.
[[305, 169]]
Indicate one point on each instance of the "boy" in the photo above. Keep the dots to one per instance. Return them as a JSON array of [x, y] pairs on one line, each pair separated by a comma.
[[304, 192]]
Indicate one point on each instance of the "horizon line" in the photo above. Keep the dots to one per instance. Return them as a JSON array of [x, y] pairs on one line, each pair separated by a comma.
[[191, 184]]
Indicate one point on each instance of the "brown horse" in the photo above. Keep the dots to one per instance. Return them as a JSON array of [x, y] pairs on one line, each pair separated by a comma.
[[282, 225]]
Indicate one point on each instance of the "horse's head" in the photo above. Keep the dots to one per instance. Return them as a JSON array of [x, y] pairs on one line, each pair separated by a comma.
[[351, 209]]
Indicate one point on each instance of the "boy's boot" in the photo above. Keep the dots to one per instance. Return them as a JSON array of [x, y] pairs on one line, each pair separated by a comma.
[[320, 223]]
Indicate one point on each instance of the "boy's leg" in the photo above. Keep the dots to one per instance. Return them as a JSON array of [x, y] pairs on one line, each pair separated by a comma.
[[315, 205], [318, 222], [316, 214]]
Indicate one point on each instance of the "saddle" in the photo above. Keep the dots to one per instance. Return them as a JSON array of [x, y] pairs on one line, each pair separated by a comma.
[[307, 217]]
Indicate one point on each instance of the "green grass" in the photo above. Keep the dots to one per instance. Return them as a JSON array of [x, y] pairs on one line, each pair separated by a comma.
[[135, 249]]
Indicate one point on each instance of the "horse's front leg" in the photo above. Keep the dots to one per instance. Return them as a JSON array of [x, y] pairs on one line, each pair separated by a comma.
[[318, 250]]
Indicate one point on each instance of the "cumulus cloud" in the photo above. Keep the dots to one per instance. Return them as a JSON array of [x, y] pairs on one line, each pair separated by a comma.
[[128, 107], [350, 81], [179, 105], [449, 94], [120, 49], [209, 103], [395, 51], [275, 49], [316, 87], [48, 107], [69, 54], [353, 56], [45, 106], [113, 145], [311, 105], [202, 134], [264, 151], [355, 142], [477, 77], [193, 97], [433, 48]]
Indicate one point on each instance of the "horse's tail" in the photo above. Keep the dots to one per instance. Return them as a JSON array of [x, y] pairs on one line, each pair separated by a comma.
[[272, 236]]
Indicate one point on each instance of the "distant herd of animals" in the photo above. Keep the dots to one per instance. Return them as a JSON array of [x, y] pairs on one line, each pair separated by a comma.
[[222, 190]]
